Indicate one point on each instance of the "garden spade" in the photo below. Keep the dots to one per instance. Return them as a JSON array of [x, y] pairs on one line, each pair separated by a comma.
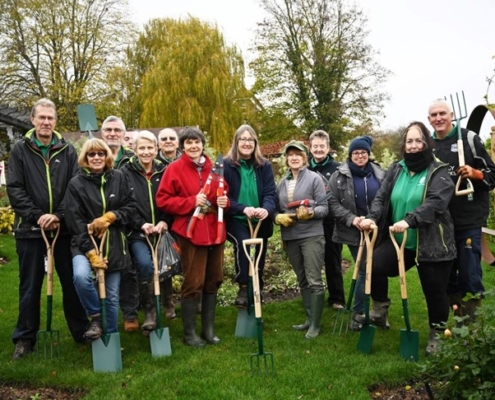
[[260, 361], [246, 320], [368, 331], [48, 340], [409, 339], [343, 316], [107, 353], [160, 337]]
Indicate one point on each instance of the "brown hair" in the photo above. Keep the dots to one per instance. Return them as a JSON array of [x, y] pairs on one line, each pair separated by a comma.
[[95, 145], [233, 153], [300, 152]]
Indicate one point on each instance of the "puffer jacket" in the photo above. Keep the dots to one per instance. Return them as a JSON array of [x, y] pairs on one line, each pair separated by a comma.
[[343, 205], [89, 196], [432, 219], [177, 196], [144, 191], [309, 185], [36, 186]]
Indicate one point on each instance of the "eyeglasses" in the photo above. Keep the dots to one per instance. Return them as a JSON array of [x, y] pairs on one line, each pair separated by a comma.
[[359, 153], [171, 138], [247, 140], [116, 130], [100, 154]]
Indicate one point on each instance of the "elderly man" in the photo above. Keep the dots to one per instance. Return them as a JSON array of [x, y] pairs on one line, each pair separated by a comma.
[[113, 132], [40, 168], [469, 212], [168, 143]]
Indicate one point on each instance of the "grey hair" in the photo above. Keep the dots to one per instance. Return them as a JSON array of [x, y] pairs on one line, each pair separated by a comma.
[[144, 135], [113, 118], [440, 102], [168, 130], [43, 103]]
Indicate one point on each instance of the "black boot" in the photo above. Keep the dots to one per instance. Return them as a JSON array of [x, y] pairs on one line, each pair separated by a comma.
[[189, 310], [147, 301], [306, 297], [208, 318]]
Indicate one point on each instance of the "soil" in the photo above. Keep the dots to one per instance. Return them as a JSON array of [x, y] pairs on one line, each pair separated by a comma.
[[15, 391]]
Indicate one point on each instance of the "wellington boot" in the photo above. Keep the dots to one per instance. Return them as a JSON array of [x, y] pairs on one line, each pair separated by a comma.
[[208, 318], [317, 303], [167, 295], [189, 308], [379, 314], [306, 297], [433, 341], [468, 310], [147, 301]]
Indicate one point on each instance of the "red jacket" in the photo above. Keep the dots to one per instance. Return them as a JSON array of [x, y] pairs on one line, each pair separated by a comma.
[[177, 196]]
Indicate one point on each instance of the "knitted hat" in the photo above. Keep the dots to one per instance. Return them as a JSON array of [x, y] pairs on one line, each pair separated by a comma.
[[297, 145], [361, 143]]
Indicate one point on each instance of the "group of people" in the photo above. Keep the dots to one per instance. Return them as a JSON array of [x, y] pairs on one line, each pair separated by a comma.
[[114, 198]]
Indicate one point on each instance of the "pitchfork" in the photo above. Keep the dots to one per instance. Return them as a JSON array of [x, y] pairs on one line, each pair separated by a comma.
[[261, 359], [459, 114], [48, 338]]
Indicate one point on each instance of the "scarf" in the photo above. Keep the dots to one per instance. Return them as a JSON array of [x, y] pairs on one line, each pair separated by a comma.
[[418, 162], [358, 171]]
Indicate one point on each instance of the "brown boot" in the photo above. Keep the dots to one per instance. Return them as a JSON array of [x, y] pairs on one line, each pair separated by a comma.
[[131, 325], [167, 292]]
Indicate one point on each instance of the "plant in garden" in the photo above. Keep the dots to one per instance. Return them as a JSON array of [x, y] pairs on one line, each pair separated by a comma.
[[464, 367]]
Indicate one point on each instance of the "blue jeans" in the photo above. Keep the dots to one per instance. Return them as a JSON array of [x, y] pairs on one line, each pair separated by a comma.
[[143, 262], [86, 290], [359, 288]]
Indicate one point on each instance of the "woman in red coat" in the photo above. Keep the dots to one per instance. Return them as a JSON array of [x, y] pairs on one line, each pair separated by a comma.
[[179, 193]]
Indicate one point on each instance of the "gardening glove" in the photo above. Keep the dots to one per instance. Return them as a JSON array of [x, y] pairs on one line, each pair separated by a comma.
[[284, 220], [95, 260], [303, 213], [468, 172], [100, 225]]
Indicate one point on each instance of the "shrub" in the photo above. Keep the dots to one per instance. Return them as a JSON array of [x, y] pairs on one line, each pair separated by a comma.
[[6, 219], [464, 367]]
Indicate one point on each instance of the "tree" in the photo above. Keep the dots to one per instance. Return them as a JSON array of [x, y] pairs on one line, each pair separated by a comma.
[[190, 77], [60, 49], [314, 64]]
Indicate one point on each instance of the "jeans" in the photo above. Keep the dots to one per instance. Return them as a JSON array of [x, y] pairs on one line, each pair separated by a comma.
[[86, 289], [359, 288], [141, 254], [306, 258]]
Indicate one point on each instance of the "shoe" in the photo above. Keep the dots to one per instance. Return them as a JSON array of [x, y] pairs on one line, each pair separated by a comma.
[[356, 322], [241, 300], [337, 306], [379, 314], [433, 342], [94, 331], [131, 325], [22, 349]]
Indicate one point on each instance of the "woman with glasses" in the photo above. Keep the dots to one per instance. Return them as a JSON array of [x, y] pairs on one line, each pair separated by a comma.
[[415, 196], [252, 196], [353, 187], [99, 199]]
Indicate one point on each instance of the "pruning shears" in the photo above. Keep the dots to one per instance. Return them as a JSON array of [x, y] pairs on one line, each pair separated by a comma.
[[220, 192]]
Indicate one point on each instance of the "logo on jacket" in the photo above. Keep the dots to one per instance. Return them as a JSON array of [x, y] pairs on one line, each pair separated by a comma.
[[468, 243], [57, 160], [112, 195], [422, 181], [453, 148]]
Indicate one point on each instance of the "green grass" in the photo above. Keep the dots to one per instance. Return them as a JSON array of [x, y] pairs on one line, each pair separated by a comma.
[[326, 368]]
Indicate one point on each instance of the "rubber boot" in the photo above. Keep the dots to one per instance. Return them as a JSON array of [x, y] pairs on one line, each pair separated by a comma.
[[468, 308], [147, 300], [433, 341], [208, 318], [167, 292], [189, 309], [317, 303], [379, 314], [306, 297]]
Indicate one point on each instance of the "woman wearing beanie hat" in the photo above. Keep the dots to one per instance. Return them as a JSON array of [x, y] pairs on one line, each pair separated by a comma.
[[302, 231], [353, 187], [415, 196]]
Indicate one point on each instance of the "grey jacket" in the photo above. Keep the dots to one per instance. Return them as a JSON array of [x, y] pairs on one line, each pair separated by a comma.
[[343, 205], [309, 185]]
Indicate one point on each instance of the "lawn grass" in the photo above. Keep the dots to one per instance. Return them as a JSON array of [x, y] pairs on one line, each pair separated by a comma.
[[326, 368]]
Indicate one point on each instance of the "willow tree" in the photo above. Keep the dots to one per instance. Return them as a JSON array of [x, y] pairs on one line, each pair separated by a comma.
[[60, 49], [193, 78], [315, 65]]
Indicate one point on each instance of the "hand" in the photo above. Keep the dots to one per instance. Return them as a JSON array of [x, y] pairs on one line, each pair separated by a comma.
[[399, 227], [47, 220], [468, 172], [356, 223], [160, 227], [284, 220], [367, 224], [260, 213], [222, 201], [95, 260], [303, 213], [250, 212], [99, 225], [200, 200], [148, 228]]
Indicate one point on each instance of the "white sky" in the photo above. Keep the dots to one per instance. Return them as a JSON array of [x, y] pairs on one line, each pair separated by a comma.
[[433, 47]]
